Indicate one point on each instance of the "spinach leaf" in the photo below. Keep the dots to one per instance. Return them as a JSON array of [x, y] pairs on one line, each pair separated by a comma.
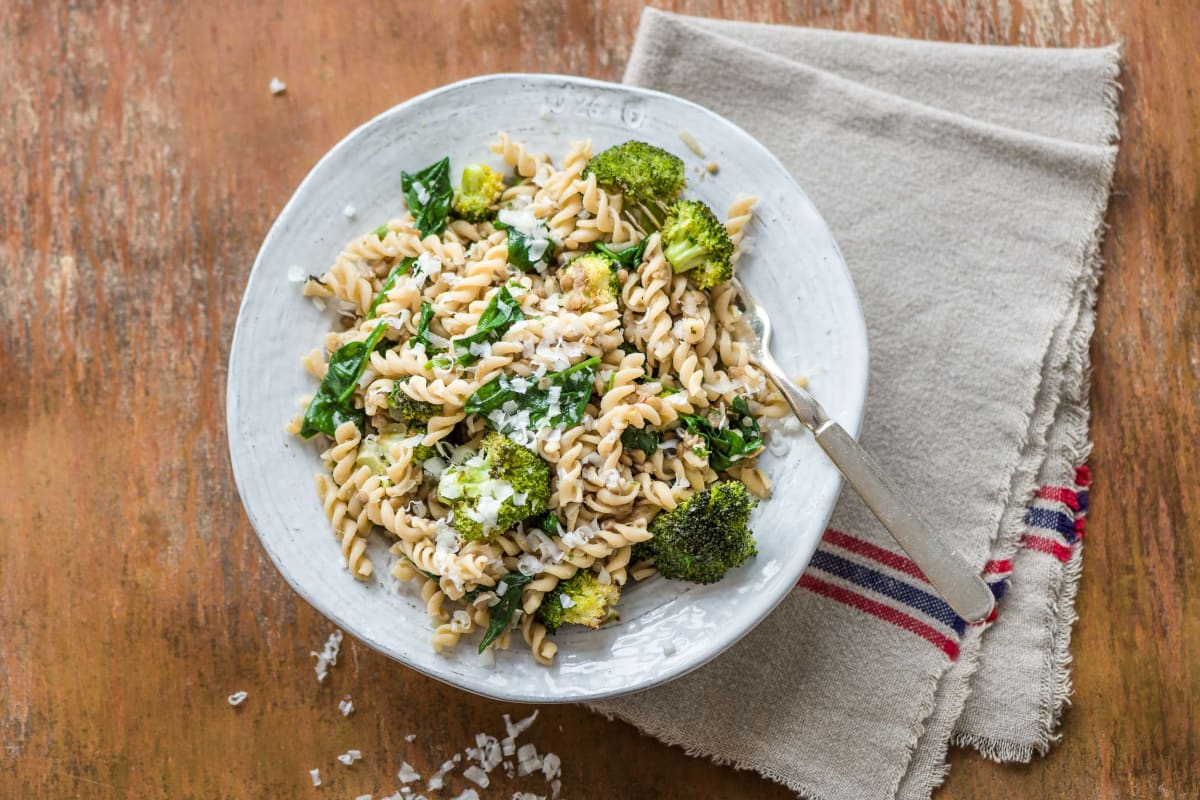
[[333, 403], [740, 438], [528, 251], [502, 613], [428, 195], [381, 232], [644, 439], [548, 523], [501, 312], [561, 403], [404, 266], [629, 257], [422, 334]]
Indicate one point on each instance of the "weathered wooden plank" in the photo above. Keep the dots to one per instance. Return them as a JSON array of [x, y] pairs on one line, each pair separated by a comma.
[[142, 161]]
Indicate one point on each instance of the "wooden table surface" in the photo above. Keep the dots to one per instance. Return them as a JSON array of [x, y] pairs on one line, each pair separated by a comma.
[[143, 160]]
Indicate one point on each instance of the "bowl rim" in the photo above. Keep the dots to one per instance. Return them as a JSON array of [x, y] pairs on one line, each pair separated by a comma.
[[719, 643]]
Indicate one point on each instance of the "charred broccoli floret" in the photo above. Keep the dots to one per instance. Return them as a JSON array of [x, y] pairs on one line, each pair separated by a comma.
[[594, 279], [493, 490], [644, 173], [480, 189], [403, 408], [696, 242], [580, 600], [703, 536]]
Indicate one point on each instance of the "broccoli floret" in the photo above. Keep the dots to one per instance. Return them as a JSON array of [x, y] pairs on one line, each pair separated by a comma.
[[704, 535], [644, 173], [480, 189], [495, 489], [403, 408], [580, 600], [594, 279], [696, 242]]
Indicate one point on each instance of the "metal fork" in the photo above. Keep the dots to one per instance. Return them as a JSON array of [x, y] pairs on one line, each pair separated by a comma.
[[962, 588]]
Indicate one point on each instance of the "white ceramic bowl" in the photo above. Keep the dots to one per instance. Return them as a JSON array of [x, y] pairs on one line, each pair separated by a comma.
[[793, 264]]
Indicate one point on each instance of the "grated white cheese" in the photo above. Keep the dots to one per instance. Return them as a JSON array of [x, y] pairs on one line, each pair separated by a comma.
[[346, 706], [467, 794], [349, 757], [349, 212], [412, 737], [435, 781], [477, 775], [515, 729], [315, 774], [237, 698], [551, 766], [528, 760], [407, 774], [296, 275], [328, 655], [537, 235], [565, 601], [428, 265], [529, 564], [422, 192], [277, 86]]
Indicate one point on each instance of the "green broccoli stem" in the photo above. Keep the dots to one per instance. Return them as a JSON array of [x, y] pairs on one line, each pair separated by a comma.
[[684, 255]]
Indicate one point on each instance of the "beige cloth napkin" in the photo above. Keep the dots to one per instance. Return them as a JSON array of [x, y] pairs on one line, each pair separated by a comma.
[[967, 187]]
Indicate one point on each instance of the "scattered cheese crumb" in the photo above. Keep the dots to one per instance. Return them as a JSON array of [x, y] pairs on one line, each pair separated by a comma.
[[412, 737], [237, 698], [551, 766], [468, 794], [407, 774], [346, 706], [528, 760], [328, 655], [668, 649], [691, 142], [296, 275], [555, 788], [315, 774], [435, 781], [277, 86], [476, 775], [515, 729], [349, 757], [349, 212]]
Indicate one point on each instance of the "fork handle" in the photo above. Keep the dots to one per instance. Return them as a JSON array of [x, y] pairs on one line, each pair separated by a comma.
[[947, 570], [958, 584]]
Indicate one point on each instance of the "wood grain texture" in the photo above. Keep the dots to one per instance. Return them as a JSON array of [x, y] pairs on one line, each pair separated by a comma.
[[141, 162]]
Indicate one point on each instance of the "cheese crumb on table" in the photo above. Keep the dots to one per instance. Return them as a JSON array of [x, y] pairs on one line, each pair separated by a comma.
[[237, 698], [277, 86]]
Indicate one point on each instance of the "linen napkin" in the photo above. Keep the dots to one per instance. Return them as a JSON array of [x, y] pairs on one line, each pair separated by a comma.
[[966, 186]]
